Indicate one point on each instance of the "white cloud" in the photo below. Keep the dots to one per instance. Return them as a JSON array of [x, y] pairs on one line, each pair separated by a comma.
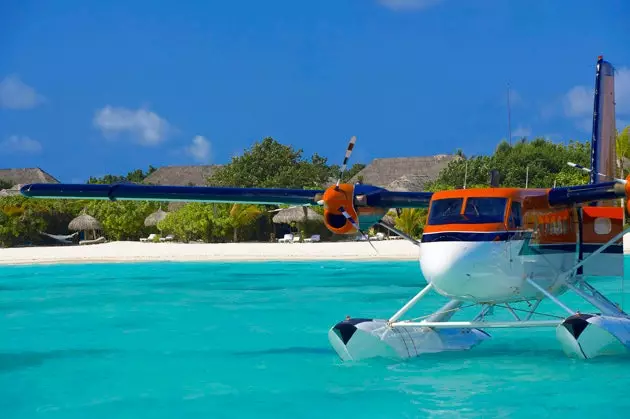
[[622, 90], [20, 144], [521, 131], [401, 5], [199, 150], [146, 127], [14, 94], [578, 101]]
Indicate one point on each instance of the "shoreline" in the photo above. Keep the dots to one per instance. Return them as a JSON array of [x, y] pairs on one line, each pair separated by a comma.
[[131, 252]]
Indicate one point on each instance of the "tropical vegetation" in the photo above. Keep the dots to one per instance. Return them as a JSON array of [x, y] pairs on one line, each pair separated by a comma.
[[268, 163]]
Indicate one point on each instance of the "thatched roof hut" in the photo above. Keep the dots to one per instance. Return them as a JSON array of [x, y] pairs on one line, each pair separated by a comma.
[[404, 173], [84, 222], [181, 175], [155, 218], [296, 215], [27, 175]]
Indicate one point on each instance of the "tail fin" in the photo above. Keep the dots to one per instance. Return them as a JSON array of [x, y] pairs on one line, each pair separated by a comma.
[[603, 147]]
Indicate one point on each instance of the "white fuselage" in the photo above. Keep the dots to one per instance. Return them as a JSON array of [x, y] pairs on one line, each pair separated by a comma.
[[495, 271]]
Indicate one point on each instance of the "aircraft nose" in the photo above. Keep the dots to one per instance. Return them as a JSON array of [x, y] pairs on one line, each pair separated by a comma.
[[459, 269], [441, 258]]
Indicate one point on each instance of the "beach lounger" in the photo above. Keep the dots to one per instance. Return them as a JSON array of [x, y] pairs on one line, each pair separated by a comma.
[[150, 238], [313, 238], [296, 239], [95, 241], [286, 239], [168, 238], [378, 236]]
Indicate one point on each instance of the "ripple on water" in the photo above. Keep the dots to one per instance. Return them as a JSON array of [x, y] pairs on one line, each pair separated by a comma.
[[165, 340]]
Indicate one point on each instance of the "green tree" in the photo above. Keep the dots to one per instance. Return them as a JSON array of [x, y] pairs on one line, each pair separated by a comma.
[[540, 162], [21, 221], [122, 220], [622, 145], [269, 164], [5, 184], [411, 221], [135, 176], [242, 216], [198, 221], [571, 178]]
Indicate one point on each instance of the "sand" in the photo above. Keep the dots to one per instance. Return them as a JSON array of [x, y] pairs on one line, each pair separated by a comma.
[[187, 252]]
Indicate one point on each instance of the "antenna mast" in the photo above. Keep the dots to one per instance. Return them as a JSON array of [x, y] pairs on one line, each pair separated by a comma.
[[509, 115]]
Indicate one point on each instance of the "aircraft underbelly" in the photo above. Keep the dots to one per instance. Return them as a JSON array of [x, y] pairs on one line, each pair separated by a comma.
[[496, 271]]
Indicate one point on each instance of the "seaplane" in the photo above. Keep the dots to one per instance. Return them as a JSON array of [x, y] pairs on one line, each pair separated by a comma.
[[485, 247]]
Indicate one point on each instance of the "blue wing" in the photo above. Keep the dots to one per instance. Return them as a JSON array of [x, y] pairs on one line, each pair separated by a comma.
[[586, 193], [367, 195]]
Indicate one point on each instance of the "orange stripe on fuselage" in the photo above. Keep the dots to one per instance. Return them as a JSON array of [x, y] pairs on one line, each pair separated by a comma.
[[549, 224], [512, 194]]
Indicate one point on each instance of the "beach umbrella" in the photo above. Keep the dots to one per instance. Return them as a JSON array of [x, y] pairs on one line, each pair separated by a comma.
[[154, 218], [85, 222], [296, 215]]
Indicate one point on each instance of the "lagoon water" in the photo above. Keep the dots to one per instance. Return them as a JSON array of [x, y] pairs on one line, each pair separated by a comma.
[[249, 340]]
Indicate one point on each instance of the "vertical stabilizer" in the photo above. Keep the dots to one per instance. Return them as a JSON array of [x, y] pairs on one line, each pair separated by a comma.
[[603, 148]]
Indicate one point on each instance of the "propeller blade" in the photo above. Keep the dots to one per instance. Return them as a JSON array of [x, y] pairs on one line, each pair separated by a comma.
[[356, 225], [346, 158], [587, 170]]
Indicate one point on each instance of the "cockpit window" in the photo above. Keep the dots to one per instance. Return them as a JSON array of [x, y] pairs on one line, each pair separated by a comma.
[[515, 215], [485, 210], [445, 211], [477, 211]]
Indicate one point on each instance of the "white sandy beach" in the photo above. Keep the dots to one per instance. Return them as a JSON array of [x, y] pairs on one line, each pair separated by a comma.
[[138, 252]]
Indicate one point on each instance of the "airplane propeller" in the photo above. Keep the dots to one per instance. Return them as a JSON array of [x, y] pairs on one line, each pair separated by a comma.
[[342, 170], [587, 170], [356, 225]]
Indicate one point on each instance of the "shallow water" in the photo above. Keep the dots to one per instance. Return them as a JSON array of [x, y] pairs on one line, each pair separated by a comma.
[[166, 340]]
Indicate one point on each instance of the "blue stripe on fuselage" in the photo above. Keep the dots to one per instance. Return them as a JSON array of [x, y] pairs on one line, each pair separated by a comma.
[[470, 236], [528, 247]]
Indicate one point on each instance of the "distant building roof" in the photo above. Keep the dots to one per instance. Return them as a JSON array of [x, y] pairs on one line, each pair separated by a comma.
[[28, 175], [404, 173], [181, 175]]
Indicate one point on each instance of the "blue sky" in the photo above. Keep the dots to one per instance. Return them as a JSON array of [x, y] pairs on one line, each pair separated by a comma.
[[89, 88]]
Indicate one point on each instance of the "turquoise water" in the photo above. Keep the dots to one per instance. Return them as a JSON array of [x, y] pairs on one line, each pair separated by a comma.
[[249, 340]]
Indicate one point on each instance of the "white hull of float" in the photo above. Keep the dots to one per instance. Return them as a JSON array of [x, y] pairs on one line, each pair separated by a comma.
[[587, 336], [358, 339]]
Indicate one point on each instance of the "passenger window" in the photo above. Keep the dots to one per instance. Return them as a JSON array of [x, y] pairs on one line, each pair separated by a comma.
[[445, 211], [515, 215]]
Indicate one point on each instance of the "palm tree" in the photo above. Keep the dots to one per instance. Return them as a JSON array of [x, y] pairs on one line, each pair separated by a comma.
[[242, 216], [410, 221], [622, 144]]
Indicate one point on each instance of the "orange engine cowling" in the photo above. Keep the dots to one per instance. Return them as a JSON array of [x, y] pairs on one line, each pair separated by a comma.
[[335, 198]]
